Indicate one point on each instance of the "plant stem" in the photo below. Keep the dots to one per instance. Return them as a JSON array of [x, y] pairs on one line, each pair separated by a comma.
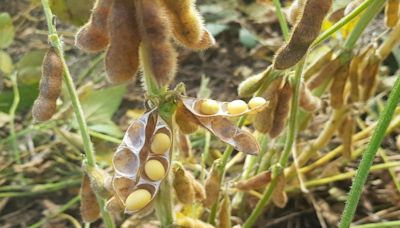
[[369, 154], [13, 109], [391, 224], [290, 140], [164, 204], [87, 144], [281, 18]]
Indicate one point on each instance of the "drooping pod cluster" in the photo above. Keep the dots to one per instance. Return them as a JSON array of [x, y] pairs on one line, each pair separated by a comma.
[[139, 32], [50, 87], [305, 31], [392, 13], [140, 163], [213, 116]]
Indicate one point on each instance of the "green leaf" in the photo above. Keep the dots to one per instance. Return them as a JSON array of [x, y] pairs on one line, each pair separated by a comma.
[[6, 64], [29, 67], [247, 39], [216, 29], [100, 105], [28, 94], [6, 30], [76, 12], [107, 127]]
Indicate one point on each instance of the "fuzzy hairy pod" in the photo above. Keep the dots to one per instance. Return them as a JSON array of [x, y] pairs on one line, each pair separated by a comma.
[[279, 197], [282, 110], [392, 13], [304, 33], [49, 88], [158, 56], [338, 85], [94, 36], [224, 213], [90, 210], [295, 11], [325, 73], [308, 101], [183, 185], [187, 24], [212, 187], [315, 66], [248, 87], [346, 131], [122, 57], [258, 181]]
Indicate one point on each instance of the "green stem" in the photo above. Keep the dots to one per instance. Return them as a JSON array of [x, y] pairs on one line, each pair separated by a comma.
[[13, 109], [391, 224], [282, 20], [290, 139], [369, 154], [87, 144], [164, 204]]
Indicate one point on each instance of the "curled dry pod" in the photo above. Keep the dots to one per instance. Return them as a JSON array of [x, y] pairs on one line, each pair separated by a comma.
[[224, 213], [317, 65], [281, 110], [337, 87], [346, 131], [369, 79], [50, 87], [93, 36], [352, 6], [308, 101], [294, 11], [279, 197], [258, 181], [248, 87], [392, 13], [212, 187], [157, 53], [304, 33], [325, 73], [90, 210], [185, 120], [187, 24], [122, 57], [183, 184]]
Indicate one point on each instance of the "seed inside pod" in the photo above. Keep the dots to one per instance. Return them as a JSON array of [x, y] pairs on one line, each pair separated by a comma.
[[154, 170], [161, 143], [209, 107], [237, 107], [138, 199], [256, 102]]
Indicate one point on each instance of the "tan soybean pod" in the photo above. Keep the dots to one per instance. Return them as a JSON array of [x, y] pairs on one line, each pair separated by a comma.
[[182, 184], [346, 131], [315, 66], [90, 210], [250, 85], [279, 197], [224, 213], [255, 182], [50, 87], [354, 77], [212, 187], [282, 110], [307, 100], [94, 36], [392, 13], [370, 75], [304, 33], [158, 56], [185, 120], [338, 85], [325, 73], [122, 57]]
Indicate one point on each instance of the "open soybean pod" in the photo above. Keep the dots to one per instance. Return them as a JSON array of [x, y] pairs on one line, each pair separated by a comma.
[[122, 57], [50, 87], [338, 85], [157, 54], [187, 24], [185, 120], [90, 210], [304, 33], [392, 13], [253, 183], [94, 36], [186, 187]]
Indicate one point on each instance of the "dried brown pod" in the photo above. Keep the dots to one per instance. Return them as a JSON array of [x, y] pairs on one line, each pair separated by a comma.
[[325, 73], [187, 24], [182, 184], [307, 101], [224, 213], [279, 197], [122, 57], [200, 192], [212, 187], [354, 77], [392, 13], [157, 53], [338, 85], [346, 131], [304, 33], [282, 110], [94, 36], [369, 73], [255, 182], [315, 66], [50, 87], [184, 146], [352, 6], [294, 11], [90, 210]]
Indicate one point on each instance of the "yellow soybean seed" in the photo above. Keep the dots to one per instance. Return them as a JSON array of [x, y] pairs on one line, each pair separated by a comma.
[[237, 107], [209, 107], [154, 170], [256, 102], [138, 199], [161, 143]]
